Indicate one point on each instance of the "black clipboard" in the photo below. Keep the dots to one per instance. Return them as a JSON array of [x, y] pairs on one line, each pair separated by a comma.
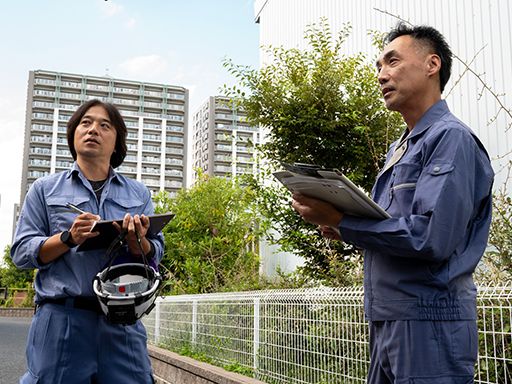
[[332, 186], [108, 232]]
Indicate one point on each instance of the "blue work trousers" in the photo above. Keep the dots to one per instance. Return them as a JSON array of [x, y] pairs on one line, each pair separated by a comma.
[[75, 346], [422, 352]]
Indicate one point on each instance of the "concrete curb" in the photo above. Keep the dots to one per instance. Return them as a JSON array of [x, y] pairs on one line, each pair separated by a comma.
[[169, 367], [16, 312]]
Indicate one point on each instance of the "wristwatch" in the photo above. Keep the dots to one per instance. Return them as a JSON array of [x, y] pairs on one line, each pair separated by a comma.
[[66, 238]]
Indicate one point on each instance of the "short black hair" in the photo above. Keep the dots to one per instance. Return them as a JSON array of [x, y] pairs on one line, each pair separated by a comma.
[[430, 37], [117, 121]]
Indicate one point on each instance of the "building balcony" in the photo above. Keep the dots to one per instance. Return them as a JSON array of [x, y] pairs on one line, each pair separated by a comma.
[[150, 148], [152, 137], [40, 151], [151, 159], [37, 174], [223, 148], [41, 128], [150, 170], [173, 173], [127, 169], [174, 151], [176, 96], [151, 182], [175, 128], [45, 81], [41, 139], [172, 161], [39, 163]]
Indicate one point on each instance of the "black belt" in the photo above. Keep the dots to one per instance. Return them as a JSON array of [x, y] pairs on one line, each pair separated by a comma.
[[79, 302]]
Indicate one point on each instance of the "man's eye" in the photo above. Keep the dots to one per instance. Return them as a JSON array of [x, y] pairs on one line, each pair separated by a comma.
[[105, 126]]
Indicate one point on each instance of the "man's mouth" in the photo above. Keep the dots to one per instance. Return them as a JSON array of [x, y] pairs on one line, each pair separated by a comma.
[[91, 141], [386, 91]]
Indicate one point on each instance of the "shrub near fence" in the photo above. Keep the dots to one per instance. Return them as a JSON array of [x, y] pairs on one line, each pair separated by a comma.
[[308, 335]]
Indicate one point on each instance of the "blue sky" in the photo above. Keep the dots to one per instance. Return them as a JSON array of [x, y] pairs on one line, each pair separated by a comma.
[[179, 42]]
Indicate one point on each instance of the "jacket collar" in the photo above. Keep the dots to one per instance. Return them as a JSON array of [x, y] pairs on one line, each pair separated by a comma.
[[433, 114], [75, 170]]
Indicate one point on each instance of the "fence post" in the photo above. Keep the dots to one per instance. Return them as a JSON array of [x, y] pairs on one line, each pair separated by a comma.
[[256, 332], [194, 322], [157, 322]]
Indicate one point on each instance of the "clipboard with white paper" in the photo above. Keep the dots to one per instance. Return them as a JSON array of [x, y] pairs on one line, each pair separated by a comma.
[[108, 233], [332, 186]]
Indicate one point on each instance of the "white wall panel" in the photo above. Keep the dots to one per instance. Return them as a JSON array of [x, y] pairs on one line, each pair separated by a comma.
[[468, 25]]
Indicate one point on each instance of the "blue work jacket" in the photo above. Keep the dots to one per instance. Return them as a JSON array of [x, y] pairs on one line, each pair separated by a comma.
[[436, 185], [44, 214]]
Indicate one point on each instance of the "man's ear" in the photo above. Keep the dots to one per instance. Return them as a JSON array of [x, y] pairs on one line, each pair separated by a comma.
[[433, 64]]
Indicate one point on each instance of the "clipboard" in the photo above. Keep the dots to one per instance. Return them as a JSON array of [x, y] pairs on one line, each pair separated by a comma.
[[332, 186], [108, 232]]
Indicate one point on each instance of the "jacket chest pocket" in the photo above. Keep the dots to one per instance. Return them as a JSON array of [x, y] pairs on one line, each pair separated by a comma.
[[118, 207], [60, 216], [403, 188]]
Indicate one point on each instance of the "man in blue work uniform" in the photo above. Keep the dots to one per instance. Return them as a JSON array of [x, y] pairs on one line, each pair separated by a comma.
[[420, 298], [70, 340]]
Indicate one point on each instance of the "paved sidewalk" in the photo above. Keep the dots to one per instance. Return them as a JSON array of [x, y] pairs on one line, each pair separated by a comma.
[[13, 336]]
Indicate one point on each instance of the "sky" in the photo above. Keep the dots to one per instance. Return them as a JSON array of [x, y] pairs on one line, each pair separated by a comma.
[[178, 42]]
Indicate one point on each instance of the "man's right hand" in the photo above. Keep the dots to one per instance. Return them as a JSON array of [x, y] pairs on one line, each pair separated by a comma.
[[329, 232], [81, 228], [80, 231]]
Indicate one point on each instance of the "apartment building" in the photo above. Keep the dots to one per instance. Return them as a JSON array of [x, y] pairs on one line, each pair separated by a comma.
[[223, 143], [155, 114]]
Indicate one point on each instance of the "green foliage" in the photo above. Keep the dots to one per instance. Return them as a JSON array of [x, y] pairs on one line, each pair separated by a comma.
[[186, 349], [319, 106], [16, 282], [323, 107], [496, 266], [11, 276], [328, 262], [210, 245]]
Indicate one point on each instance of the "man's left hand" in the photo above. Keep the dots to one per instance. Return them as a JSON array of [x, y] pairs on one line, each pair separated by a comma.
[[316, 211], [136, 226]]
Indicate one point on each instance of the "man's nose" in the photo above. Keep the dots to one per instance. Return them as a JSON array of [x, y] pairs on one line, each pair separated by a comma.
[[382, 75], [93, 127]]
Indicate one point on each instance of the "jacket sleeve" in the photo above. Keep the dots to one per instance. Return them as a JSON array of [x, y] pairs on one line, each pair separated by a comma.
[[430, 220], [32, 230]]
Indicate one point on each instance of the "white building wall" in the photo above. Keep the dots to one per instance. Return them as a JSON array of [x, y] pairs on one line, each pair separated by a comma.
[[470, 26]]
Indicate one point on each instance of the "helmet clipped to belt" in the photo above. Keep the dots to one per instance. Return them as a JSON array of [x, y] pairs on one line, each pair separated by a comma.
[[127, 291]]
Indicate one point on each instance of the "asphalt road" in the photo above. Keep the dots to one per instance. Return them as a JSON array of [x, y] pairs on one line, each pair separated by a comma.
[[13, 336]]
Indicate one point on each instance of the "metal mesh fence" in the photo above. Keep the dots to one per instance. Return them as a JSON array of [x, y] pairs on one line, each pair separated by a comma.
[[307, 335]]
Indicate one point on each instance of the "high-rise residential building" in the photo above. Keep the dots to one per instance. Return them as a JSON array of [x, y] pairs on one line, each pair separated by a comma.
[[223, 143], [155, 115]]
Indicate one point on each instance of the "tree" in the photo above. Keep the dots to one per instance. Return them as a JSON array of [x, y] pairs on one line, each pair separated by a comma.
[[210, 244], [322, 107], [496, 266], [11, 276]]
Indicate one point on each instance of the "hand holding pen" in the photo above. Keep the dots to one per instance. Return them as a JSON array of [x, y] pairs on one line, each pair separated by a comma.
[[82, 225]]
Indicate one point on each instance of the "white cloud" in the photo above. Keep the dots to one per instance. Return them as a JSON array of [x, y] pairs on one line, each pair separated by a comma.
[[149, 66], [110, 8], [12, 121], [130, 23], [113, 10]]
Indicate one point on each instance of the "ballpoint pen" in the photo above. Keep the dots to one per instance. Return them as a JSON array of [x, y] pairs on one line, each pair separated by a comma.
[[74, 208]]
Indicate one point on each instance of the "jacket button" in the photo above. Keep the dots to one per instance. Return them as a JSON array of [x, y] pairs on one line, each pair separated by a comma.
[[436, 169]]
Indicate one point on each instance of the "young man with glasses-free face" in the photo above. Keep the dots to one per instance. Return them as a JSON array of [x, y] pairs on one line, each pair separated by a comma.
[[70, 339]]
